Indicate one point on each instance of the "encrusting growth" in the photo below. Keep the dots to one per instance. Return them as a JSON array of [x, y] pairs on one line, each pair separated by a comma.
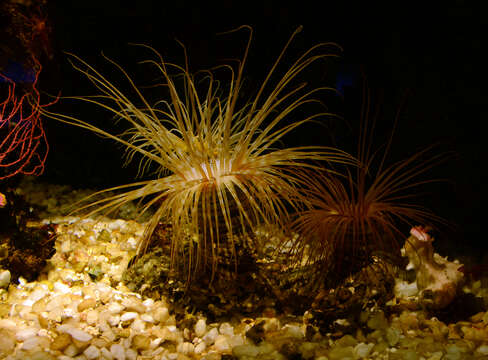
[[217, 162]]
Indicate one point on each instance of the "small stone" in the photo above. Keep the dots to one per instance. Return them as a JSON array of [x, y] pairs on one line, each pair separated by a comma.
[[161, 314], [71, 351], [141, 342], [221, 343], [5, 278], [117, 351], [294, 331], [25, 334], [92, 352], [92, 317], [200, 327], [134, 304], [86, 304], [226, 329], [483, 350], [147, 318], [363, 350], [339, 353], [377, 321], [128, 316], [106, 354], [114, 320], [138, 326], [7, 342], [31, 343], [61, 342], [210, 337], [115, 308], [246, 350], [200, 347], [79, 335], [185, 348]]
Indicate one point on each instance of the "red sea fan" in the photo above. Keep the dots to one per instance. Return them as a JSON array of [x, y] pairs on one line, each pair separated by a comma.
[[23, 143]]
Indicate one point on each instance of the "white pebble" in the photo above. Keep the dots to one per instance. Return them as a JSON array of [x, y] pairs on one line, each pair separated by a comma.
[[161, 314], [147, 318], [209, 337], [128, 316], [5, 278], [247, 350], [294, 331], [200, 347], [114, 320], [8, 324], [75, 333], [221, 344], [31, 343], [62, 288], [200, 327], [106, 354], [115, 308], [226, 329], [92, 352], [185, 348], [24, 334], [131, 354], [483, 350], [92, 317], [138, 326], [71, 351], [362, 350], [117, 351], [148, 303]]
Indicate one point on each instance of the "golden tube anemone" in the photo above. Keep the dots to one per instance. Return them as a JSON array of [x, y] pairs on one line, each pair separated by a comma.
[[217, 162]]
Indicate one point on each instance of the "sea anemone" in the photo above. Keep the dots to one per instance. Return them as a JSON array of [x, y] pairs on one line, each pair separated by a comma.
[[357, 216], [220, 170]]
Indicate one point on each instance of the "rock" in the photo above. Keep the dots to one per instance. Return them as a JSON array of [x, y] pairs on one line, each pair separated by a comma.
[[141, 342], [92, 352], [87, 304], [5, 278], [24, 334], [226, 329], [7, 342], [128, 316], [161, 314], [75, 333], [92, 317], [210, 337], [200, 327], [340, 353], [200, 347], [117, 351], [32, 342], [115, 308], [482, 350], [362, 350], [61, 342], [134, 304], [222, 344], [247, 350], [185, 348]]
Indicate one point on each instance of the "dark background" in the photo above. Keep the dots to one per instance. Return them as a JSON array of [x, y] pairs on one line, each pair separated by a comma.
[[431, 54]]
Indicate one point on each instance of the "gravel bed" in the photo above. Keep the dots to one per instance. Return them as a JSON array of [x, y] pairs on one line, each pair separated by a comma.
[[79, 309]]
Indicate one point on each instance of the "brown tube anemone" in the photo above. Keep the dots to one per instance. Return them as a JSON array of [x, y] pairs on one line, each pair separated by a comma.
[[220, 168], [356, 215]]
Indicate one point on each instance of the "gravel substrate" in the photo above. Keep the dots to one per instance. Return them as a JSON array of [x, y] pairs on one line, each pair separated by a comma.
[[79, 309]]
